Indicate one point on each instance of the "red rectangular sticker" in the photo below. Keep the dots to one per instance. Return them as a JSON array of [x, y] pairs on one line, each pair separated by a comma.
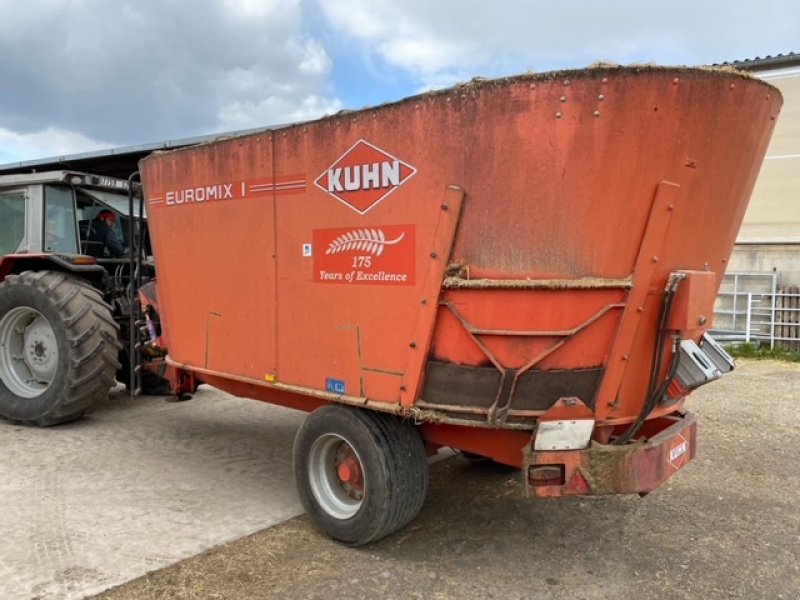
[[377, 255]]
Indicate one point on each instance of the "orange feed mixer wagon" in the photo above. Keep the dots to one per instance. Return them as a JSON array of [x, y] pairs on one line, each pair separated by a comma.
[[522, 269]]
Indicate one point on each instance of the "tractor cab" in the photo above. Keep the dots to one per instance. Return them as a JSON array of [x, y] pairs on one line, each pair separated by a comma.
[[52, 213]]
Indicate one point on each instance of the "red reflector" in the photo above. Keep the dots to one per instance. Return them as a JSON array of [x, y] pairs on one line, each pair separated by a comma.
[[676, 390], [578, 483], [539, 475]]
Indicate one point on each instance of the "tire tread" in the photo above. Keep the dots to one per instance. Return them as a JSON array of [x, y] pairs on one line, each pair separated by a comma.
[[400, 452], [92, 341]]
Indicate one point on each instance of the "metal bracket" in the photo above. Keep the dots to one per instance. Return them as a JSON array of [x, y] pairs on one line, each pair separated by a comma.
[[439, 257], [644, 270]]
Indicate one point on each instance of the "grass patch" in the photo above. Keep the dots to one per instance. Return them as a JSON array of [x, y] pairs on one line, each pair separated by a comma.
[[750, 350]]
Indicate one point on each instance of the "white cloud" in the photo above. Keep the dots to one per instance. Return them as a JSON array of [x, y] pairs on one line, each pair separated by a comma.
[[52, 141], [425, 55], [439, 42], [248, 114], [137, 72], [404, 34], [129, 72], [315, 60], [255, 8]]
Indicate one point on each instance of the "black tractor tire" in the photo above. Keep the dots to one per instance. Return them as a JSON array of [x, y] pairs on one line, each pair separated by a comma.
[[387, 452], [75, 332]]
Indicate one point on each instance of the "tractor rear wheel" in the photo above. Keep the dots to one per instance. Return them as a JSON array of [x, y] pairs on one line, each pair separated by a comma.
[[361, 475], [58, 348]]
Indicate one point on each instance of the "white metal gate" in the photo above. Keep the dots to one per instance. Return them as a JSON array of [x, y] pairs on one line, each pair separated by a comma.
[[751, 307]]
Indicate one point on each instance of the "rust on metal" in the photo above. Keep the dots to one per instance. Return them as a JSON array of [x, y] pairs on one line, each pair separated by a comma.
[[585, 283], [604, 469], [348, 256]]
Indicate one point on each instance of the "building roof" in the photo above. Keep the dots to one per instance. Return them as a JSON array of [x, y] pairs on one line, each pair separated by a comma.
[[759, 63], [114, 162]]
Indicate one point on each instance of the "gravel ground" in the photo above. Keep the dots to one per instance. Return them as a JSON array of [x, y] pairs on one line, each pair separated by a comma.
[[727, 526]]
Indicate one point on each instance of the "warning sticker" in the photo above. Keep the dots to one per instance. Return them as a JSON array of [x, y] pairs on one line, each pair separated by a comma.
[[377, 255]]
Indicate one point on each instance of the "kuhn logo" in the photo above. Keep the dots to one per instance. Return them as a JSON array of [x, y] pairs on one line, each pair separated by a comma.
[[363, 176], [679, 453]]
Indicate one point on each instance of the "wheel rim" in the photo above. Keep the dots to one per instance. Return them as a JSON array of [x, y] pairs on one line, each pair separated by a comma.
[[28, 352], [336, 476]]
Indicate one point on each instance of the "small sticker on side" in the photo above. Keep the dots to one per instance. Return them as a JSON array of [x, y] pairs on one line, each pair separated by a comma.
[[306, 250], [678, 451], [334, 386], [678, 455]]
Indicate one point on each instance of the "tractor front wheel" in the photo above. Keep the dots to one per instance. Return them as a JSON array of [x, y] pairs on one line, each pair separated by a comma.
[[58, 348]]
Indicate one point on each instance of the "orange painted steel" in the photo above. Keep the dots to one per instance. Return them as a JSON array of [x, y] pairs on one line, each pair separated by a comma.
[[466, 257], [604, 469]]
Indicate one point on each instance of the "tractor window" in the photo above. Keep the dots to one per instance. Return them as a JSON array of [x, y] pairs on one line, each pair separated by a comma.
[[12, 222], [89, 207], [60, 225]]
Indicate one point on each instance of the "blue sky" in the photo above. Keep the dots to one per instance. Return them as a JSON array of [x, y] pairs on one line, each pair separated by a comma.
[[84, 75]]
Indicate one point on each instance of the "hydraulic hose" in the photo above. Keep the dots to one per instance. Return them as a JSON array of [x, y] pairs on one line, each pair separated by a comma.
[[653, 393]]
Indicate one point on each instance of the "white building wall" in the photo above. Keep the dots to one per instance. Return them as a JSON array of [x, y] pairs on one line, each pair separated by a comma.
[[770, 235]]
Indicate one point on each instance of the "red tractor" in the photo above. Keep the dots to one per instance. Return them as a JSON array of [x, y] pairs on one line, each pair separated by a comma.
[[66, 303]]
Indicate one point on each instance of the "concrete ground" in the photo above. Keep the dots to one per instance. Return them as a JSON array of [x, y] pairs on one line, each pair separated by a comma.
[[138, 485], [177, 479], [727, 526]]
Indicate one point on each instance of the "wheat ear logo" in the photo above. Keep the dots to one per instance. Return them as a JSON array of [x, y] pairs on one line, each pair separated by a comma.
[[372, 241]]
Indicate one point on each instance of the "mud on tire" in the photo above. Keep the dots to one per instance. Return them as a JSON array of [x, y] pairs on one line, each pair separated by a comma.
[[58, 348], [361, 475]]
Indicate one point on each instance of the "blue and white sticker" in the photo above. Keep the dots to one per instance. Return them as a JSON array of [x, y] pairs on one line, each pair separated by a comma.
[[334, 386]]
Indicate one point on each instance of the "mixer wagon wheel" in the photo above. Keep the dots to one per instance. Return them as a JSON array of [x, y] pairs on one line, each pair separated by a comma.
[[361, 475], [58, 348]]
